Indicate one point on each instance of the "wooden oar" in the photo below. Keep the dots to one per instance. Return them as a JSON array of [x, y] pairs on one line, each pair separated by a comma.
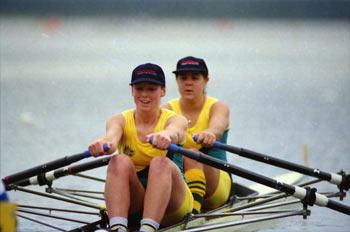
[[46, 167], [343, 182], [308, 196], [46, 178]]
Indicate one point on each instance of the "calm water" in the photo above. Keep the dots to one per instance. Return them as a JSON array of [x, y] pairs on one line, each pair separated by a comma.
[[287, 83]]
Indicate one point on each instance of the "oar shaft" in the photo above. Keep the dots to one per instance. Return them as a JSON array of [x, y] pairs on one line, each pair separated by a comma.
[[47, 177], [43, 168], [331, 177], [213, 162], [89, 165], [338, 206], [297, 192], [46, 167]]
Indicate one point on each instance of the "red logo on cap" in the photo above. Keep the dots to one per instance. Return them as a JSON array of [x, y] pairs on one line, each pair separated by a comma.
[[189, 62], [147, 71]]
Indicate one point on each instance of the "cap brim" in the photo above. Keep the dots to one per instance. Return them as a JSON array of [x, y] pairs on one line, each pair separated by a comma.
[[189, 70], [147, 80]]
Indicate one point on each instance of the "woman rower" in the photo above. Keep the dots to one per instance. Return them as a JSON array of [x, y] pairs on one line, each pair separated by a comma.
[[208, 119], [145, 177]]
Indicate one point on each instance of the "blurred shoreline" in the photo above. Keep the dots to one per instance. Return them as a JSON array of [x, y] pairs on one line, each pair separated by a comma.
[[316, 9]]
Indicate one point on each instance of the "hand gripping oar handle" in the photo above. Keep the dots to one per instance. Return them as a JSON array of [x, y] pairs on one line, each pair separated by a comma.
[[87, 153], [48, 166], [343, 182], [172, 147], [301, 193]]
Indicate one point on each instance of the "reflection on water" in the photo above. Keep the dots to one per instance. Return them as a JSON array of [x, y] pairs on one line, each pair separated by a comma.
[[286, 82]]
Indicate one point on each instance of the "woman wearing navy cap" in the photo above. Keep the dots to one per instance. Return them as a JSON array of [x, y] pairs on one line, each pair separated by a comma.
[[144, 176], [208, 119]]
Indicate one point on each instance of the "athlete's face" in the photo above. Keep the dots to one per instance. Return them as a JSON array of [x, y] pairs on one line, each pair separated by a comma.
[[191, 84], [147, 95]]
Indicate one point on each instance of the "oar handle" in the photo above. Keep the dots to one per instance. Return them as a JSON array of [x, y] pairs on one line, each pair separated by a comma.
[[172, 147], [217, 144], [88, 154]]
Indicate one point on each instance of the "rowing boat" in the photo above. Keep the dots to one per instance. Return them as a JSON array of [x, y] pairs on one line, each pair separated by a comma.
[[243, 198], [248, 208]]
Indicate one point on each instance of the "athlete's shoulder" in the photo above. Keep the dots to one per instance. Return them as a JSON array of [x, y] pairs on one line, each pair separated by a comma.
[[166, 106], [173, 101], [212, 99], [116, 121], [168, 112], [216, 102], [174, 105], [127, 112]]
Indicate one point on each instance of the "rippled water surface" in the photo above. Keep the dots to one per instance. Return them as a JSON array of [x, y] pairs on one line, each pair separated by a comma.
[[287, 83]]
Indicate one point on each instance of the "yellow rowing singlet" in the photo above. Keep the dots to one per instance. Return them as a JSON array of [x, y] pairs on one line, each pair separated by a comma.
[[140, 153], [195, 177], [201, 124]]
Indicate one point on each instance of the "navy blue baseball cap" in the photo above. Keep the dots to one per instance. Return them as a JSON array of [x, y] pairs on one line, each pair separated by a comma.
[[148, 73], [191, 63]]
